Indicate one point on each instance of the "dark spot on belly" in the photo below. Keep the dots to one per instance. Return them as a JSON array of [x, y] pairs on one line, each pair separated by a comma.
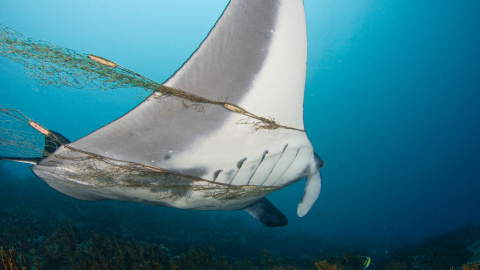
[[197, 171]]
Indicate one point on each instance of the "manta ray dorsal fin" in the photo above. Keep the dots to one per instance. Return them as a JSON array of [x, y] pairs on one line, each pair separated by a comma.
[[267, 213], [254, 57]]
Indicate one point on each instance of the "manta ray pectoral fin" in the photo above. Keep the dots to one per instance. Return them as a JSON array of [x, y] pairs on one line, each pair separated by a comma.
[[267, 213], [310, 195]]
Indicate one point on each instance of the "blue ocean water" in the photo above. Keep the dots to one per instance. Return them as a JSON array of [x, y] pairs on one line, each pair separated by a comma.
[[392, 105]]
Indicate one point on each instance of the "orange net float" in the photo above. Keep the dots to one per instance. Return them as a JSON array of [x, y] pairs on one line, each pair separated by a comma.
[[102, 61]]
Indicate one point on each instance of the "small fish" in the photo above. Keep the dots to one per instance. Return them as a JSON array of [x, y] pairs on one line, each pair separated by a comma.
[[366, 264]]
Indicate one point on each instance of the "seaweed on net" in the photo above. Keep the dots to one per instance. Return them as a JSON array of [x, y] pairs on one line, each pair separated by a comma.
[[24, 138], [93, 171]]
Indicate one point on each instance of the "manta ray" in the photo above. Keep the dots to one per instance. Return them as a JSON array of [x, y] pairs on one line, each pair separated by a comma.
[[224, 131]]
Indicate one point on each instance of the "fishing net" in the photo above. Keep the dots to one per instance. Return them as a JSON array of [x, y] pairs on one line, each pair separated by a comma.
[[92, 171], [52, 65], [23, 138], [62, 67], [17, 137]]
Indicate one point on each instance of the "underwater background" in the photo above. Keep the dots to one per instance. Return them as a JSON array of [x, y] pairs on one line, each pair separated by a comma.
[[392, 105]]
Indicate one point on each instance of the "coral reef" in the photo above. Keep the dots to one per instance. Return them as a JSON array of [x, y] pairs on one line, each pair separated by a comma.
[[471, 266], [47, 230], [12, 261], [440, 252], [396, 265], [347, 261], [446, 251], [324, 265], [65, 249]]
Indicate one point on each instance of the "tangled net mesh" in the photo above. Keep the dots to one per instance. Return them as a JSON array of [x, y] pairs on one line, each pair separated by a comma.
[[92, 171], [17, 137], [21, 137], [53, 65]]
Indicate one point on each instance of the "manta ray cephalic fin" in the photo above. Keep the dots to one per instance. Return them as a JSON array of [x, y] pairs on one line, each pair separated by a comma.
[[310, 195]]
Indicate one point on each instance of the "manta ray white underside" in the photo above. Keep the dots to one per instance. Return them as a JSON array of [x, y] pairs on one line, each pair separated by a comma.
[[235, 135]]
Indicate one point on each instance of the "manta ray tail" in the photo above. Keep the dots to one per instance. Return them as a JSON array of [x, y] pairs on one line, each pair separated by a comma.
[[22, 160], [267, 213]]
